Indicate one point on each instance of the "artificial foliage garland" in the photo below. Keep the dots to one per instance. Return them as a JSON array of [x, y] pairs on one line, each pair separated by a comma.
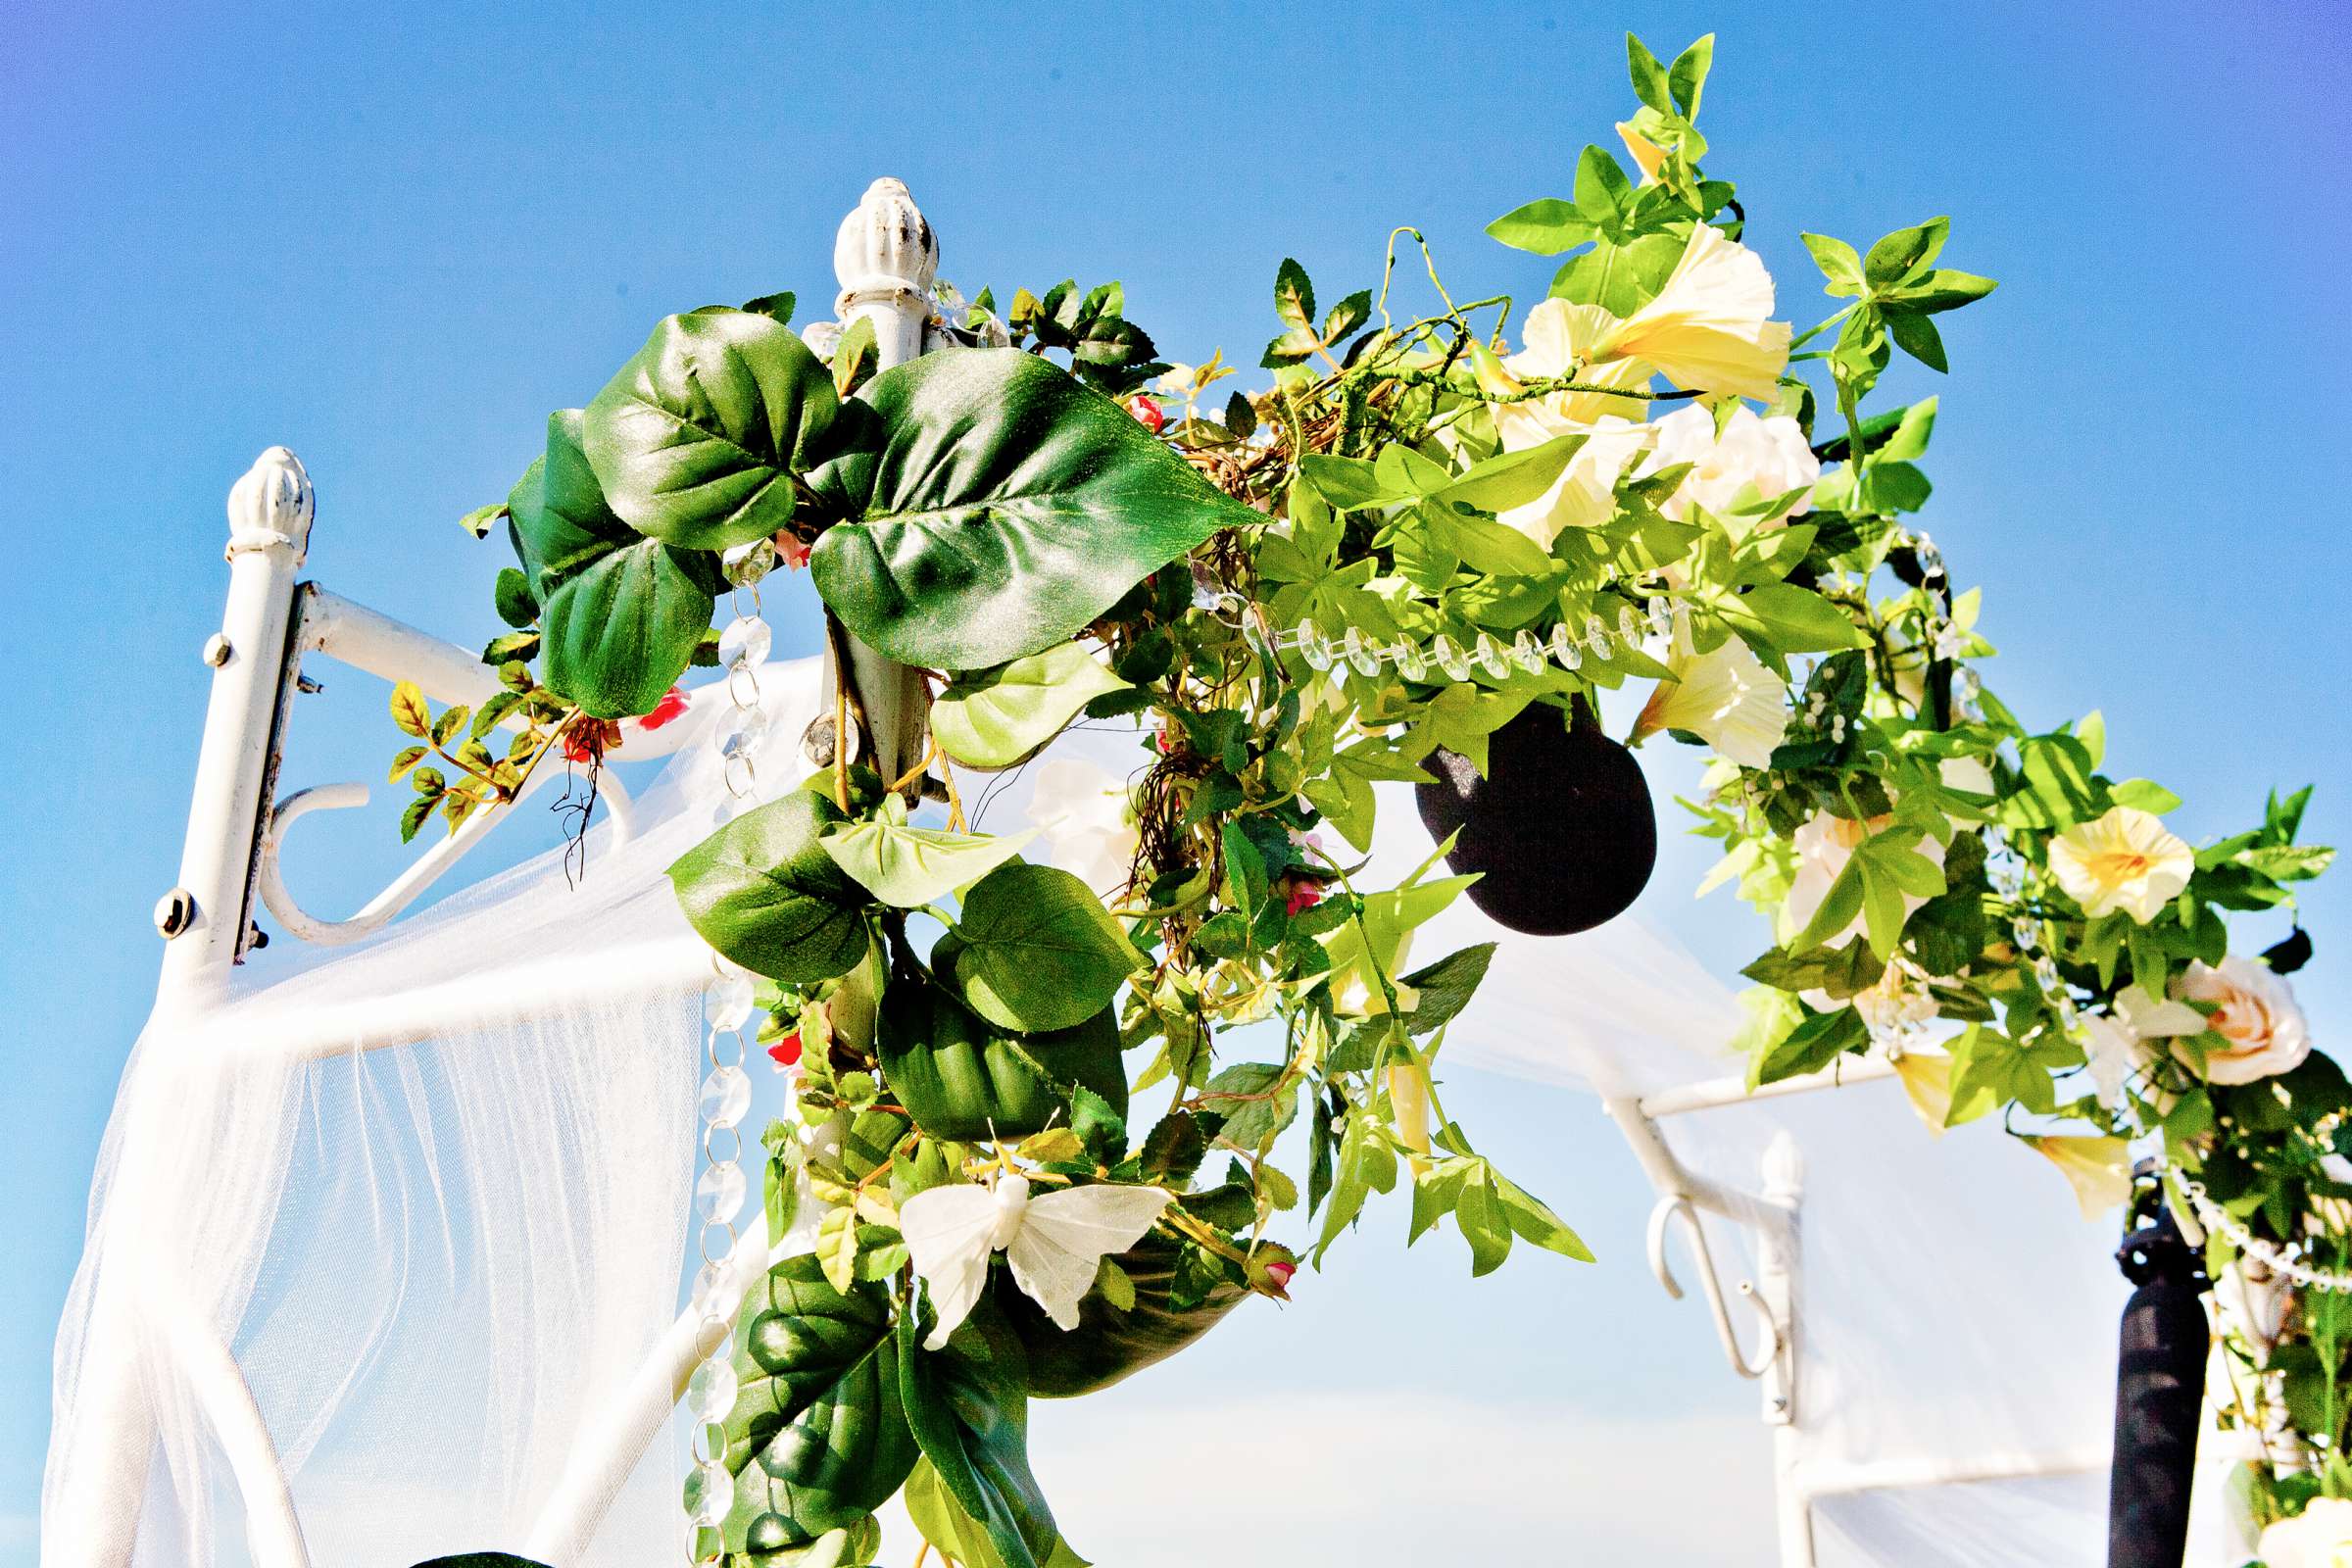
[[1415, 558]]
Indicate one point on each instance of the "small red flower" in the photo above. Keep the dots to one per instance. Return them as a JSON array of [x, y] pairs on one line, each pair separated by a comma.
[[587, 739], [1280, 1273], [1165, 741], [1148, 412], [671, 705], [786, 1052], [1303, 894], [791, 551]]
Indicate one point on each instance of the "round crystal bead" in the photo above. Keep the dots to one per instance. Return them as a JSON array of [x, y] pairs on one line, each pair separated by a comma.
[[1527, 653], [1628, 626], [1596, 634], [1363, 661], [1317, 649], [710, 1392], [710, 1493], [1411, 661], [1450, 659], [745, 641], [1490, 656], [727, 1003], [727, 1095], [744, 564], [1564, 647], [714, 1291], [718, 1197]]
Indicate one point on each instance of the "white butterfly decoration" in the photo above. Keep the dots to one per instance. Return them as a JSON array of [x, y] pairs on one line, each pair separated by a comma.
[[1055, 1242]]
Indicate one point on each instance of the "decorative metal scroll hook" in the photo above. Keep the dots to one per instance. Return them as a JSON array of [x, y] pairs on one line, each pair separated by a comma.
[[1667, 1209], [423, 872]]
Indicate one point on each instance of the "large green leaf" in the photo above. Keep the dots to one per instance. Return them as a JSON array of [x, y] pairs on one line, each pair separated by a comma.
[[621, 614], [909, 866], [695, 440], [1000, 506], [964, 1078], [968, 1405], [818, 1438], [997, 717], [762, 891], [1040, 952], [956, 1535]]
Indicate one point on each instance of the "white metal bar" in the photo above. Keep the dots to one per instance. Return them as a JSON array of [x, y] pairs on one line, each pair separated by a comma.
[[1711, 1093], [269, 513]]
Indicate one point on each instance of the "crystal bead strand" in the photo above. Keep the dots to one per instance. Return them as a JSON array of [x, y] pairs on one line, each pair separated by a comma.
[[726, 1091], [1566, 646]]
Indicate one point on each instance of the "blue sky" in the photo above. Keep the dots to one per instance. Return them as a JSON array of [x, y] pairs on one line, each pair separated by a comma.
[[392, 239]]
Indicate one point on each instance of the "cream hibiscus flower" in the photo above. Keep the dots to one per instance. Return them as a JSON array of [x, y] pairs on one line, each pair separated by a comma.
[[1088, 822], [2098, 1169], [1752, 457], [1726, 698], [1824, 843], [2255, 1011], [1707, 330], [2124, 860], [2320, 1537], [1584, 495]]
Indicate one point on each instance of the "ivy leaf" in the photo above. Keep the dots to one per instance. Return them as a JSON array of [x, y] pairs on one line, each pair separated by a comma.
[[1000, 507], [968, 1406], [1039, 951], [997, 717], [764, 892], [696, 439], [819, 1436], [909, 866]]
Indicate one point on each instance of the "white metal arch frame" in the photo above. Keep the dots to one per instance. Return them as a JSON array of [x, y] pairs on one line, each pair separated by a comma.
[[885, 260]]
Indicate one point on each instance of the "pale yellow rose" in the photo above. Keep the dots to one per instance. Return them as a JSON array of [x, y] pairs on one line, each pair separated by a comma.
[[1708, 330], [2124, 860], [2320, 1537], [2255, 1011], [1752, 456], [1726, 698]]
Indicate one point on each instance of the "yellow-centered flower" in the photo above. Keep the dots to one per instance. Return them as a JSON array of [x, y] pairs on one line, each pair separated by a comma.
[[1708, 330], [2124, 860], [1726, 698]]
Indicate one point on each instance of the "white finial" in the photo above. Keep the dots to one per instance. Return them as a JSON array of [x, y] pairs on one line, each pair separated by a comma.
[[885, 248], [271, 506]]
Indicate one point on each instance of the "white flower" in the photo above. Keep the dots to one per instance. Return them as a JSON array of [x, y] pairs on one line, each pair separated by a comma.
[[1824, 843], [2113, 1051], [2255, 1011], [1753, 459], [1726, 698], [2124, 860], [1584, 495], [1088, 822], [1707, 329], [1562, 340], [2320, 1537]]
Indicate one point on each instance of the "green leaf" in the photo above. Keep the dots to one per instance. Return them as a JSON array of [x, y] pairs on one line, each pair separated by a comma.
[[764, 892], [1839, 262], [1001, 508], [1531, 1220], [409, 710], [513, 599], [1942, 290], [964, 1078], [1294, 296], [1821, 1039], [968, 1405], [1916, 335], [1512, 478], [695, 440], [1366, 1165], [1040, 952], [1688, 79], [995, 718], [819, 1436], [622, 614], [413, 817], [909, 866], [1446, 986], [1602, 192], [1347, 316], [1895, 258], [1254, 1102], [1478, 1210], [956, 1535], [1650, 77], [2145, 795], [407, 757], [481, 519], [1546, 228], [1793, 620]]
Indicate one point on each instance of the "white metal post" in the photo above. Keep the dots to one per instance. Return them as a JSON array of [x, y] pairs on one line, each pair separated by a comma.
[[1779, 1256], [204, 918], [884, 258]]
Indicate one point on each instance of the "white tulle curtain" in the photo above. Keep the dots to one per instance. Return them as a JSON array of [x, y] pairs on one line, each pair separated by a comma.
[[434, 1260]]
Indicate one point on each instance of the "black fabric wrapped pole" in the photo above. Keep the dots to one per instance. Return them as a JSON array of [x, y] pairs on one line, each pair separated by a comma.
[[2159, 1397]]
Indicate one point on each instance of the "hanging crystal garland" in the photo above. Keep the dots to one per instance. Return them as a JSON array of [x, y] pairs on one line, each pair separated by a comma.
[[1565, 647], [726, 1093]]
